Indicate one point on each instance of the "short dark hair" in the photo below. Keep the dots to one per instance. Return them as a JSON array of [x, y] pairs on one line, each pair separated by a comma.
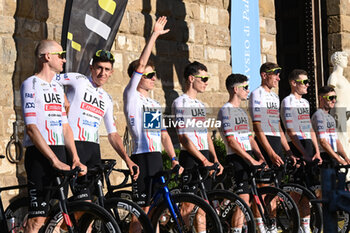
[[134, 64], [267, 66], [324, 90], [103, 58], [294, 75], [193, 69], [233, 79]]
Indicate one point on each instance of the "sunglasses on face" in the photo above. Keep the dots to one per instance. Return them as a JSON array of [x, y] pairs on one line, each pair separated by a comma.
[[61, 54], [203, 78], [303, 82], [105, 55], [245, 87], [274, 70], [149, 75], [330, 97]]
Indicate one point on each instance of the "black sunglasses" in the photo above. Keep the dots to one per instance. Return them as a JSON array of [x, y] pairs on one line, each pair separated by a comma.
[[274, 70], [105, 55], [149, 75], [203, 78], [304, 82], [330, 97]]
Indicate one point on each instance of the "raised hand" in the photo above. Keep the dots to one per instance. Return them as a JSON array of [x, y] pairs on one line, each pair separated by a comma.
[[159, 26]]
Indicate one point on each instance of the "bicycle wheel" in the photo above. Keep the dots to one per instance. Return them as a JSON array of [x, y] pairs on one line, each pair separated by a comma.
[[19, 210], [123, 210], [186, 219], [300, 194], [94, 218], [227, 205], [285, 212]]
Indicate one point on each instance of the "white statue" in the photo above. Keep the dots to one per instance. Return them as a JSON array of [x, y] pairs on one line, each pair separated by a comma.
[[342, 107]]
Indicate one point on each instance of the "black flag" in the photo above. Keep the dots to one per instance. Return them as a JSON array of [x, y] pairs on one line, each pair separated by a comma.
[[89, 25]]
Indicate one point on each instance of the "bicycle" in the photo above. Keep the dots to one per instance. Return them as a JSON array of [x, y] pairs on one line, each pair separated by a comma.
[[122, 209], [284, 216], [226, 204], [9, 220], [300, 192], [63, 213], [166, 210]]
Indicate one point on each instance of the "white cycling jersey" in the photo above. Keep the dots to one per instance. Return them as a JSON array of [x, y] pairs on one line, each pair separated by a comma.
[[295, 115], [43, 105], [234, 122], [188, 112], [88, 105], [264, 108], [325, 127], [137, 109]]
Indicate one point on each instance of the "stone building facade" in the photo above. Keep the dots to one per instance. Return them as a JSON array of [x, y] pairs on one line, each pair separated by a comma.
[[199, 31]]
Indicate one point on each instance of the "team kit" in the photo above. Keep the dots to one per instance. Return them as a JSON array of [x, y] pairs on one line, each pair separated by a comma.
[[62, 127]]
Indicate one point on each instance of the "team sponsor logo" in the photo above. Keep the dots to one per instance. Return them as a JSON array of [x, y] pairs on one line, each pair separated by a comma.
[[320, 127], [304, 117], [256, 102], [29, 105], [199, 112], [303, 111], [241, 127], [91, 123], [271, 105], [132, 120], [53, 107], [330, 125], [226, 118], [58, 77], [152, 119], [92, 109], [241, 120], [257, 109], [225, 125], [29, 95], [52, 98], [55, 123], [94, 101], [30, 114]]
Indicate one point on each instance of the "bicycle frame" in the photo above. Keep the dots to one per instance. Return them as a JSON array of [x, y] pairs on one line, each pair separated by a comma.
[[165, 193], [3, 220]]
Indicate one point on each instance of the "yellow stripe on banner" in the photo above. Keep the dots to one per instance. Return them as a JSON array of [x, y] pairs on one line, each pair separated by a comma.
[[107, 5], [70, 36], [75, 45]]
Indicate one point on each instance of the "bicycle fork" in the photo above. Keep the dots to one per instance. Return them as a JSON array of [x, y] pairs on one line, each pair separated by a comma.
[[63, 207]]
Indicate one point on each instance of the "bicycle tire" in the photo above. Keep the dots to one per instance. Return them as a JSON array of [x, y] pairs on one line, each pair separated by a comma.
[[225, 204], [123, 210], [161, 215], [19, 210], [95, 216], [300, 192], [287, 214]]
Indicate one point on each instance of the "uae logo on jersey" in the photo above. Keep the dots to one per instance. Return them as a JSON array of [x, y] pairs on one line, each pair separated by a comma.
[[152, 119]]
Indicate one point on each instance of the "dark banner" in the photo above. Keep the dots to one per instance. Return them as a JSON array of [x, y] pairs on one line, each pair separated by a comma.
[[89, 25]]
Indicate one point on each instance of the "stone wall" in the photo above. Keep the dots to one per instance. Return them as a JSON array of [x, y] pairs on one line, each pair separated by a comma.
[[199, 31], [338, 12]]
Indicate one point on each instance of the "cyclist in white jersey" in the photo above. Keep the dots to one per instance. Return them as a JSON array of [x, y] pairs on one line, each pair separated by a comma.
[[264, 105], [295, 114], [240, 145], [331, 149], [196, 142], [47, 132], [144, 120], [296, 118], [89, 104]]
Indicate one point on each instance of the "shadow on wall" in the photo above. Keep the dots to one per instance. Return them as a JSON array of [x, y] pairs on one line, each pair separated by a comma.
[[172, 49], [30, 28]]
